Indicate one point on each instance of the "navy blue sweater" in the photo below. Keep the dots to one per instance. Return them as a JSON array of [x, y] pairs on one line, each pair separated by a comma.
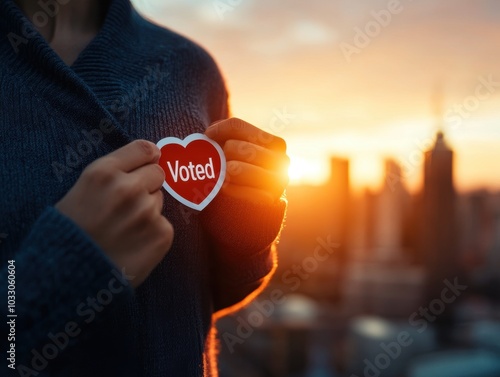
[[76, 314]]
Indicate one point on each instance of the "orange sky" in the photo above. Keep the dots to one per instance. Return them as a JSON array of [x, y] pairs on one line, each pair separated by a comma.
[[287, 57]]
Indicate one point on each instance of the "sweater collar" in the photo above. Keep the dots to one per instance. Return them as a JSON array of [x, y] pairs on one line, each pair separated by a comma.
[[24, 49]]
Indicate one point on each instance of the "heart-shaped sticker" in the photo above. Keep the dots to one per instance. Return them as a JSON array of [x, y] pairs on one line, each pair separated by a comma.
[[194, 169]]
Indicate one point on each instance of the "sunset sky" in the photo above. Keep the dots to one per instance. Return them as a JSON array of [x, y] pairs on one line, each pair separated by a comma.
[[288, 57]]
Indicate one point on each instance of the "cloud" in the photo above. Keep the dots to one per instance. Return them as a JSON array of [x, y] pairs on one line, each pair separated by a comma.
[[313, 33]]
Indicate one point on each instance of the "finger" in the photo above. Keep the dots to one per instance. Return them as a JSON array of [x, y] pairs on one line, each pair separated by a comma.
[[247, 175], [149, 176], [256, 155], [159, 198], [134, 155], [238, 129]]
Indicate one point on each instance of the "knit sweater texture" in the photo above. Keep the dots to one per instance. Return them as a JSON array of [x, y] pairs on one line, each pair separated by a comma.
[[77, 314]]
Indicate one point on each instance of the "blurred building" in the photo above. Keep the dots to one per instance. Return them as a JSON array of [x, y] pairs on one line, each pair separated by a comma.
[[380, 278], [318, 213], [391, 214], [338, 187], [438, 228], [479, 216], [341, 315]]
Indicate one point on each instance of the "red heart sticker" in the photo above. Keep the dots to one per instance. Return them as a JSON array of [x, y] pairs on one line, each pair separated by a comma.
[[194, 169]]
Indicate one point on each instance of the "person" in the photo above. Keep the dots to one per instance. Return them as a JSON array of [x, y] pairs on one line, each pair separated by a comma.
[[106, 274]]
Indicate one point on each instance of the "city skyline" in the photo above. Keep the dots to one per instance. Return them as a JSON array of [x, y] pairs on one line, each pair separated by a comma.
[[361, 270]]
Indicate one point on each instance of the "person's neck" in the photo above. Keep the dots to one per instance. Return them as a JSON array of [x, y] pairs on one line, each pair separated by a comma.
[[67, 28]]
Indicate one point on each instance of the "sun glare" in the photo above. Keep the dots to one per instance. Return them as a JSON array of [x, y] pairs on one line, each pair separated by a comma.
[[365, 171], [306, 171]]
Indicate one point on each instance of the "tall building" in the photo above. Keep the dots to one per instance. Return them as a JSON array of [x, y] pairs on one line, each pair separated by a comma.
[[438, 230], [341, 208], [390, 217], [318, 213]]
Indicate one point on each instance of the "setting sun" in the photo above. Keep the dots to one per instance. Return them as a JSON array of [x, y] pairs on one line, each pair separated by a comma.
[[303, 171]]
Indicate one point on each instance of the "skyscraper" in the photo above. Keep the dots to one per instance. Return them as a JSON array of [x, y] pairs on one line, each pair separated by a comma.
[[391, 213], [438, 233], [339, 193]]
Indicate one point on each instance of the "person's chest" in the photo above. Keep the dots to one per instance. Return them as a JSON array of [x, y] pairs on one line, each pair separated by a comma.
[[51, 129]]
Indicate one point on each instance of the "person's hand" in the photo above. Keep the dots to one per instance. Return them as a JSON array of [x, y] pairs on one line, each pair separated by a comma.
[[257, 163], [118, 202]]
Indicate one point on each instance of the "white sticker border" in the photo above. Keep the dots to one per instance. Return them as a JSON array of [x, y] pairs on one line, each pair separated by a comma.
[[218, 185]]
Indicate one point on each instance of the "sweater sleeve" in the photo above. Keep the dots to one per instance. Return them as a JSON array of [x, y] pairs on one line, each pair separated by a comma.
[[64, 284], [243, 236]]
